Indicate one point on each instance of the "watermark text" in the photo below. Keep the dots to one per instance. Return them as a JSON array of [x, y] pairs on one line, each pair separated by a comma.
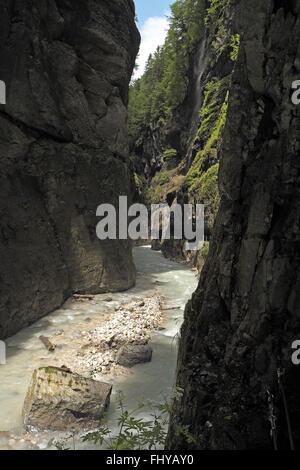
[[179, 222], [296, 93], [2, 353], [296, 353], [2, 92]]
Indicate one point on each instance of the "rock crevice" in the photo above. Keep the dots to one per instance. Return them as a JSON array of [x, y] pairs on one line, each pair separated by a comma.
[[63, 151], [244, 316]]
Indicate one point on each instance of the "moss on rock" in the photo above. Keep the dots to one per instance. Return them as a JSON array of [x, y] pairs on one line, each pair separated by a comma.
[[57, 399]]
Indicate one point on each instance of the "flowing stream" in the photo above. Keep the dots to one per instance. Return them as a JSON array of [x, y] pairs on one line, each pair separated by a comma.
[[145, 382]]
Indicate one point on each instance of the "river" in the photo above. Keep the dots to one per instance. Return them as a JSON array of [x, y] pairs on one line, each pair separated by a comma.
[[148, 381]]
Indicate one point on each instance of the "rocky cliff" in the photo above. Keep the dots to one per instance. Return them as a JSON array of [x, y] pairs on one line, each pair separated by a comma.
[[241, 321], [63, 148], [179, 154]]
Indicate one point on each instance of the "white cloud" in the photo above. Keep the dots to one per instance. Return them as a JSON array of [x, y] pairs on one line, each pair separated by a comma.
[[153, 34]]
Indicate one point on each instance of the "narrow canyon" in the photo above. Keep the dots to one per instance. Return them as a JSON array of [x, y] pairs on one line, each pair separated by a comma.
[[212, 120]]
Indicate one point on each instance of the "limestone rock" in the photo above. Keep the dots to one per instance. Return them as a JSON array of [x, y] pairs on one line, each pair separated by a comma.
[[67, 66], [56, 400], [131, 354]]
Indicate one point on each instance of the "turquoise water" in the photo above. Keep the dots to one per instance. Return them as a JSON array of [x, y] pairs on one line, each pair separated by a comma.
[[148, 381]]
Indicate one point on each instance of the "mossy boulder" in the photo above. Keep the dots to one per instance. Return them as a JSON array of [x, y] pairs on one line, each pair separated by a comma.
[[56, 400]]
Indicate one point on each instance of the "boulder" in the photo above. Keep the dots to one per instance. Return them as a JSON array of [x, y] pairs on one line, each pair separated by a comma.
[[155, 245], [131, 354], [56, 400]]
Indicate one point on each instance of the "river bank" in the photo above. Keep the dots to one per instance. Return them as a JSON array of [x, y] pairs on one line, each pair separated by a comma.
[[93, 352], [157, 277]]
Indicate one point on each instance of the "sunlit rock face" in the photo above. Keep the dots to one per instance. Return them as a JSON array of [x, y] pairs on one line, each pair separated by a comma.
[[63, 151], [241, 321], [180, 154], [56, 400]]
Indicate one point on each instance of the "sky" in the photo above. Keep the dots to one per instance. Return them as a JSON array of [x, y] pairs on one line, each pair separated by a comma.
[[153, 25]]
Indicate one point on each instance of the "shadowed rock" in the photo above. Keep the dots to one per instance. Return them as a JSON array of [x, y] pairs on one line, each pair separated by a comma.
[[130, 354], [63, 151], [240, 323]]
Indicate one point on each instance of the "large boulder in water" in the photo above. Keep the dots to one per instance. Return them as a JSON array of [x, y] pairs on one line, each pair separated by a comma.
[[131, 354], [57, 399]]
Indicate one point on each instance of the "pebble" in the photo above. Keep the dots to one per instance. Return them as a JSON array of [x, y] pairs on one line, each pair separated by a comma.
[[59, 333], [133, 322]]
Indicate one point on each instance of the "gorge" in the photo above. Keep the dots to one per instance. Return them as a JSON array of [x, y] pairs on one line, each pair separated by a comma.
[[213, 120]]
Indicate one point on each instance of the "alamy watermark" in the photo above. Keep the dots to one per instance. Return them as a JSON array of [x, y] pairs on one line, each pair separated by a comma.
[[296, 94], [2, 92], [296, 353], [2, 353], [186, 222]]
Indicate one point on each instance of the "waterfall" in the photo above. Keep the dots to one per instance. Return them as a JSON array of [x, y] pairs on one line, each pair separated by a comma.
[[196, 94], [199, 68]]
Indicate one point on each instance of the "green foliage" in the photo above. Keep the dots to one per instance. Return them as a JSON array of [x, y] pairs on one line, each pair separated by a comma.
[[212, 125], [164, 84], [203, 253], [200, 179], [235, 45], [183, 430], [218, 33], [141, 186], [218, 126], [157, 184], [208, 184], [64, 443], [134, 433], [215, 12], [214, 94], [169, 154], [170, 158], [155, 97], [146, 96], [162, 177]]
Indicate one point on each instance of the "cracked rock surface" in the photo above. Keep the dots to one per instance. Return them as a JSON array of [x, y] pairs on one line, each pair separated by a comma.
[[63, 151], [244, 315]]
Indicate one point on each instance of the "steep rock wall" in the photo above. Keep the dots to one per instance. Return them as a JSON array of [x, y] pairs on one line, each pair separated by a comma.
[[244, 315], [63, 150], [194, 130]]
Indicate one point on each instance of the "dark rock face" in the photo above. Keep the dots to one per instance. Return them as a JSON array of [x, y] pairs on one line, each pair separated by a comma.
[[241, 322], [63, 151]]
